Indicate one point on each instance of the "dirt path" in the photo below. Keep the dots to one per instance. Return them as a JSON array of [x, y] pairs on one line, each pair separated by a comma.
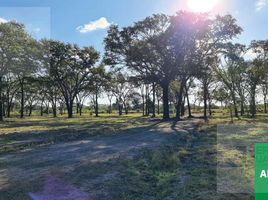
[[64, 157]]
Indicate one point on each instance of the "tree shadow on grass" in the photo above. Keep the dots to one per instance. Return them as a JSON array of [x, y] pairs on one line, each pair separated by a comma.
[[115, 168], [24, 171], [75, 131]]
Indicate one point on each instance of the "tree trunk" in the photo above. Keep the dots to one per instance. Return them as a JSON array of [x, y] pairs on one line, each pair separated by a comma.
[[54, 110], [143, 106], [120, 110], [8, 109], [61, 109], [8, 104], [22, 98], [47, 109], [188, 103], [205, 101], [165, 87], [1, 99], [96, 105], [153, 100], [126, 108], [41, 110], [30, 110], [183, 106], [231, 114], [119, 107], [209, 105], [234, 103], [210, 108], [70, 109], [80, 110], [179, 103], [265, 104], [253, 105], [4, 109], [158, 107], [77, 108], [265, 93], [147, 101], [110, 107], [242, 109]]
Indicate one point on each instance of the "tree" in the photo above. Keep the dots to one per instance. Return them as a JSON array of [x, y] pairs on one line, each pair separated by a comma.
[[121, 90], [218, 32], [98, 81], [254, 76], [80, 100], [221, 94], [142, 49], [230, 71], [31, 93], [11, 88], [158, 97], [186, 31], [15, 53], [26, 67], [52, 93], [264, 85], [260, 48], [70, 66]]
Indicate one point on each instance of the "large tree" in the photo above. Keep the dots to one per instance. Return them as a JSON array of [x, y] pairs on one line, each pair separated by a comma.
[[27, 66], [70, 66], [142, 49], [230, 70], [254, 75], [260, 48], [154, 48], [16, 53], [219, 31]]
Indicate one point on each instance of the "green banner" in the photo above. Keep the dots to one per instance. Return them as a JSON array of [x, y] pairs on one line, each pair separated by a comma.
[[261, 171]]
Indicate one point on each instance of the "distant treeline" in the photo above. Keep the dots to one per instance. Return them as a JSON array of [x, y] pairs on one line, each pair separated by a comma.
[[160, 62]]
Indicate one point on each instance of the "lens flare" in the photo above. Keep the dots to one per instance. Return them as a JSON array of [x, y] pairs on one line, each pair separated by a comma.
[[202, 5]]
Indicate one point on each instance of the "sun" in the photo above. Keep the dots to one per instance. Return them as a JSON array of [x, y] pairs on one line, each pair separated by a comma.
[[202, 5]]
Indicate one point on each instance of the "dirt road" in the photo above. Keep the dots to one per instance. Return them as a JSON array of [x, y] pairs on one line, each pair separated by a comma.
[[23, 169]]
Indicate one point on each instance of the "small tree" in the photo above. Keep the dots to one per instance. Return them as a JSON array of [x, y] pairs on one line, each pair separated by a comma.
[[98, 81]]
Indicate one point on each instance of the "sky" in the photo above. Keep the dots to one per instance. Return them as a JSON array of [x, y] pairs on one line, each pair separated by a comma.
[[85, 22]]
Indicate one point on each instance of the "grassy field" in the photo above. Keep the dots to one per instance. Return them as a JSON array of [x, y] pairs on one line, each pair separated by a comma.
[[189, 170], [185, 168], [18, 134]]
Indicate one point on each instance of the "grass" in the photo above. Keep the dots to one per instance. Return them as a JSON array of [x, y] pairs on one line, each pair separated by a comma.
[[184, 169], [189, 170], [19, 134], [38, 123]]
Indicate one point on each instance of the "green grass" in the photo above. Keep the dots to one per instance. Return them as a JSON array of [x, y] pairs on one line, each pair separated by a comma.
[[19, 134], [188, 170], [185, 169]]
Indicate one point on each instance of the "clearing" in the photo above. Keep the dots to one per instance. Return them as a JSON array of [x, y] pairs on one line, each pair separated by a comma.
[[112, 158]]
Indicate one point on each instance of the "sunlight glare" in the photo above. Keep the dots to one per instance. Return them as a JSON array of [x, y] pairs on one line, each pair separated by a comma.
[[202, 5]]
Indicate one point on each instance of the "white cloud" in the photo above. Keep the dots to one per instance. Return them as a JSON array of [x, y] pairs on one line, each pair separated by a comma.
[[101, 23], [2, 20], [260, 4]]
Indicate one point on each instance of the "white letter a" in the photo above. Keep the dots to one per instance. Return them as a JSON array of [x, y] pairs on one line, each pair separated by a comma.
[[263, 174]]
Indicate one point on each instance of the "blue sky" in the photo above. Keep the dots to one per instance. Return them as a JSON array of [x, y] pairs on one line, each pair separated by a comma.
[[66, 19]]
